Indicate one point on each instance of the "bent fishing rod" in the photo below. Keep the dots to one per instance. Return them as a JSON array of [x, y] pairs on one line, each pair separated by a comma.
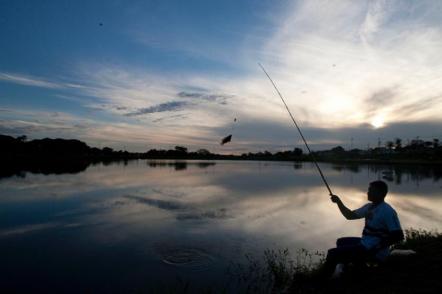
[[299, 130]]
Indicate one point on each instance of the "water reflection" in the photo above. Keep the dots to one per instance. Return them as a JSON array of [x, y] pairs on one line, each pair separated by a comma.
[[396, 173], [179, 164], [47, 167], [19, 169], [152, 220]]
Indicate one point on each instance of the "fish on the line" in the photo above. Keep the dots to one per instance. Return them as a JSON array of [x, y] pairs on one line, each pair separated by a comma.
[[226, 139]]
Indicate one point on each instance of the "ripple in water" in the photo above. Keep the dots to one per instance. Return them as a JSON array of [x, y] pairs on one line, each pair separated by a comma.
[[189, 257]]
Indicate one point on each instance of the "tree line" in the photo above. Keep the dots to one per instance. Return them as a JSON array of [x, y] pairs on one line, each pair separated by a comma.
[[20, 148]]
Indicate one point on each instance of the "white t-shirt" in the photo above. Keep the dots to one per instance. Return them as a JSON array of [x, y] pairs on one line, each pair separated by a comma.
[[379, 221]]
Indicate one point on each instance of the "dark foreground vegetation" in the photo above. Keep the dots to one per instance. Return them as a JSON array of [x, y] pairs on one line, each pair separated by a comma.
[[418, 273]]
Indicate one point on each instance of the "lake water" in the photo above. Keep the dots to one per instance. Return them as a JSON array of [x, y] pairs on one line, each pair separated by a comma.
[[140, 225]]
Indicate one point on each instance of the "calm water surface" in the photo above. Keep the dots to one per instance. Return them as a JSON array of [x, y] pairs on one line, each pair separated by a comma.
[[140, 225]]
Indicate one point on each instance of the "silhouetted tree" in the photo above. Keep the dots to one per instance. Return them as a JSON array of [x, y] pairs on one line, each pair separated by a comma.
[[203, 152], [428, 144], [181, 149], [417, 143], [108, 150], [297, 151], [389, 145], [398, 143], [338, 149]]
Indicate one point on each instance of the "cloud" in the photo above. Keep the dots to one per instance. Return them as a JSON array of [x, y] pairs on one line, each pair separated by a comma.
[[411, 109], [319, 49], [220, 213], [381, 97], [378, 100], [127, 91], [184, 211], [376, 15], [220, 98], [163, 107], [274, 136], [38, 124], [340, 65], [171, 117], [27, 80], [162, 204]]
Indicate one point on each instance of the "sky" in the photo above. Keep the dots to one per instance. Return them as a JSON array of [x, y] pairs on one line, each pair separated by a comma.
[[138, 75]]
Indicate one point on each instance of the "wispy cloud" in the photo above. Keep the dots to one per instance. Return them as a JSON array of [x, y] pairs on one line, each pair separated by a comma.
[[152, 100], [162, 204], [118, 135], [343, 52], [340, 65], [163, 107], [378, 100], [374, 19], [171, 117], [220, 98], [183, 211], [28, 81], [39, 124], [412, 109], [33, 81]]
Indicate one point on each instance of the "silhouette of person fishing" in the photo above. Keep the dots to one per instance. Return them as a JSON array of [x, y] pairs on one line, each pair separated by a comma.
[[382, 229], [382, 226]]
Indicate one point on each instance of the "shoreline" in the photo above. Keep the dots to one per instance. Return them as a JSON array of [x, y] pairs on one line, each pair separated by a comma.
[[97, 159]]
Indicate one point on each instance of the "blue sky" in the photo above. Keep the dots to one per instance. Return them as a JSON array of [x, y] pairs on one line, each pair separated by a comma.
[[155, 74]]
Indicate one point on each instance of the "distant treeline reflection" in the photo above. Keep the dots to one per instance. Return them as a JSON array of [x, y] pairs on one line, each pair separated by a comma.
[[395, 172], [56, 156], [179, 165]]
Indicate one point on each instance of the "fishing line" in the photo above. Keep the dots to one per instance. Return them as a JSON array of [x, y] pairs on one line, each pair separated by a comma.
[[299, 130], [229, 137]]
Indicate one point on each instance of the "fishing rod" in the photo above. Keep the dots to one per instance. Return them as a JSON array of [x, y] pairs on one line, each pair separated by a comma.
[[299, 130]]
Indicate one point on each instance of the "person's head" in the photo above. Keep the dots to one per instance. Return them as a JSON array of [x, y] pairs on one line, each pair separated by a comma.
[[377, 191]]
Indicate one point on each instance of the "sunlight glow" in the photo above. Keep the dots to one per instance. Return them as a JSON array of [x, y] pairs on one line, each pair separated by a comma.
[[378, 122]]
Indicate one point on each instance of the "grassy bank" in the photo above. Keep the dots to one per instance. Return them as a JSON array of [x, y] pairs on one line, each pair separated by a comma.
[[279, 272]]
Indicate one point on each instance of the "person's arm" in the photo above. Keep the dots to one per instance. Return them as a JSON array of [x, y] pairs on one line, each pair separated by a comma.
[[395, 233], [346, 212]]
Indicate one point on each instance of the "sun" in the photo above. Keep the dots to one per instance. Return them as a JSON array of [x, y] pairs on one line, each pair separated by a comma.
[[377, 122]]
